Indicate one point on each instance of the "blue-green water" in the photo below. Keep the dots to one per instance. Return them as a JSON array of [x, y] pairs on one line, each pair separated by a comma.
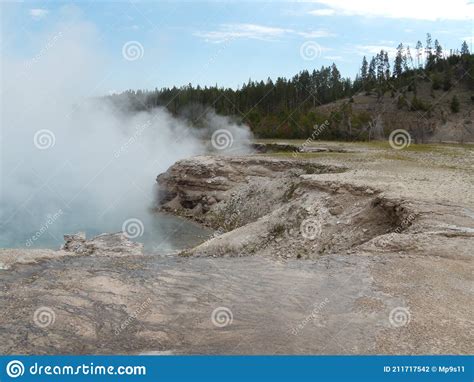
[[158, 232]]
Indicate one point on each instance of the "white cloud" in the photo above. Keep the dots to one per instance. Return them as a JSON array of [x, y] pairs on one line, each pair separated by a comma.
[[372, 50], [38, 13], [316, 34], [232, 31], [323, 12], [407, 9], [257, 32], [333, 58]]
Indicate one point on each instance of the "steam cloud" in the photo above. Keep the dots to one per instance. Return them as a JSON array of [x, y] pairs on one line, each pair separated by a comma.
[[64, 150]]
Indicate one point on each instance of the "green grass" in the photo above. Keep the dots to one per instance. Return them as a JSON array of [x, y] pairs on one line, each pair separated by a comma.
[[290, 155]]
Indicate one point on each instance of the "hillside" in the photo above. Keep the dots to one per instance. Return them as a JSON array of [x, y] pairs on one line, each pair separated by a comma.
[[429, 94], [434, 121]]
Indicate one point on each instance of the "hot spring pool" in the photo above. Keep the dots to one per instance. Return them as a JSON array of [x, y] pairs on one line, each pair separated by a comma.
[[158, 232]]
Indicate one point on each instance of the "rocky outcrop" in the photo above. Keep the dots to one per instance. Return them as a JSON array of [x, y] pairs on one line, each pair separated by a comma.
[[275, 207], [214, 190], [297, 209], [104, 244], [113, 244]]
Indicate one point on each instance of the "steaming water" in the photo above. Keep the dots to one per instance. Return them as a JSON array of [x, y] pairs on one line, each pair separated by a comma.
[[160, 233], [67, 149]]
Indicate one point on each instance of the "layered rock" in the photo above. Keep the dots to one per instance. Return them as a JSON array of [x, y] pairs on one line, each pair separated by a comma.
[[301, 209], [196, 187]]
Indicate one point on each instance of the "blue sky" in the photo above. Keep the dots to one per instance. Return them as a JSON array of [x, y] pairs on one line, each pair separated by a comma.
[[228, 42]]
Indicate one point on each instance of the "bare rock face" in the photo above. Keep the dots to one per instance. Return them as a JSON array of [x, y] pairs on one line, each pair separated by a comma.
[[104, 244], [287, 208], [266, 205], [75, 242], [214, 190]]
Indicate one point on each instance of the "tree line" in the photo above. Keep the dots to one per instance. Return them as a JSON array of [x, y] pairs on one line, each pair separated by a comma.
[[286, 107]]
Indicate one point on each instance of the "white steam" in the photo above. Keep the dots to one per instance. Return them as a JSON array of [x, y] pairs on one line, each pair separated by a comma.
[[64, 150]]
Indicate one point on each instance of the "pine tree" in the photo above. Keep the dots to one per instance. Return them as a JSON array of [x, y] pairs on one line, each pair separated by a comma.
[[438, 51], [380, 66], [419, 53], [386, 65], [335, 81], [429, 51], [364, 73], [364, 69], [409, 59], [464, 48], [372, 72], [398, 63]]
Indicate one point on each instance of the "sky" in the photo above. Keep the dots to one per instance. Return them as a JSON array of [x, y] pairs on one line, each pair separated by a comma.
[[149, 45]]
